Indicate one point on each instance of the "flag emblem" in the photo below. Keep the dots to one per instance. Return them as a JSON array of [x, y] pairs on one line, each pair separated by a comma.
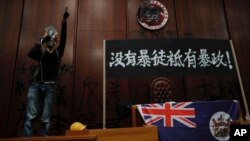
[[220, 125]]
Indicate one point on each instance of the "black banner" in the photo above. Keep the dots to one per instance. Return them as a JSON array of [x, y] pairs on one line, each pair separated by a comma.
[[167, 57]]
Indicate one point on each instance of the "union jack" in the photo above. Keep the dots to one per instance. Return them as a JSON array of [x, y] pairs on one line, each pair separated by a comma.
[[169, 114]]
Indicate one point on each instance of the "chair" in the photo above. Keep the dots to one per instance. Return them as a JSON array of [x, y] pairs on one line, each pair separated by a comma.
[[161, 90]]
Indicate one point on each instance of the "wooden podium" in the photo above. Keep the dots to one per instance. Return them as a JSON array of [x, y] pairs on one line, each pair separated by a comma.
[[147, 133]]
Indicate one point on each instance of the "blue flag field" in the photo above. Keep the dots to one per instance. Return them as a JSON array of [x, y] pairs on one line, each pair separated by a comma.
[[191, 121]]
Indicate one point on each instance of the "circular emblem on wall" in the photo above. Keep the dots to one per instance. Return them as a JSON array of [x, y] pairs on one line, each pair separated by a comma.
[[152, 15]]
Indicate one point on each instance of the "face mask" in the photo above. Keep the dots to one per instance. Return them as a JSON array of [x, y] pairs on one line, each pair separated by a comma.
[[51, 44]]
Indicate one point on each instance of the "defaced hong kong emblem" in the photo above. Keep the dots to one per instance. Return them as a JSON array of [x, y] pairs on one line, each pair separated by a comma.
[[152, 14]]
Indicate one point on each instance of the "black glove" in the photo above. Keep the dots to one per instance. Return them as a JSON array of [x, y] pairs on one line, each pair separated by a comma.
[[44, 39], [66, 14]]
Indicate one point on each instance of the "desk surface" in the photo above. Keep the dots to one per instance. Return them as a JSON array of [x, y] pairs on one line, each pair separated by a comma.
[[148, 133], [240, 122], [54, 138]]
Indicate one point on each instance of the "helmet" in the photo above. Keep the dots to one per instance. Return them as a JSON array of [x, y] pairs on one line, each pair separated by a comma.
[[77, 126]]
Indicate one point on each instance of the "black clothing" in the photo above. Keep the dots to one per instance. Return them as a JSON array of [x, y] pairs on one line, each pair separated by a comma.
[[49, 62]]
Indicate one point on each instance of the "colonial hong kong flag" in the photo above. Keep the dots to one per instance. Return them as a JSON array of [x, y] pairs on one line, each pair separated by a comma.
[[170, 114], [191, 121]]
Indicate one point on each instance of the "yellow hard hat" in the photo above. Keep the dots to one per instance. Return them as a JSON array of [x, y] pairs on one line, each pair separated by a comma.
[[77, 126]]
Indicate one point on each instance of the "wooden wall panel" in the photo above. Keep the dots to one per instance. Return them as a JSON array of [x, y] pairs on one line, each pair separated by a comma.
[[10, 21], [201, 19], [107, 15], [36, 16], [238, 23], [140, 87], [205, 19], [89, 77], [98, 21]]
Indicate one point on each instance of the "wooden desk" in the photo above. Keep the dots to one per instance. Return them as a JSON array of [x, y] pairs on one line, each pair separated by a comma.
[[121, 134], [240, 122], [54, 138]]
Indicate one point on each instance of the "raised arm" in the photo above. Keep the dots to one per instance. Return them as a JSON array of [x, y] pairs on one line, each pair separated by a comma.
[[63, 35]]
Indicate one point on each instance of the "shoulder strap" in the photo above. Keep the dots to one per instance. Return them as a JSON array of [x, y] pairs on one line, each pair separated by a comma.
[[59, 61], [57, 53]]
